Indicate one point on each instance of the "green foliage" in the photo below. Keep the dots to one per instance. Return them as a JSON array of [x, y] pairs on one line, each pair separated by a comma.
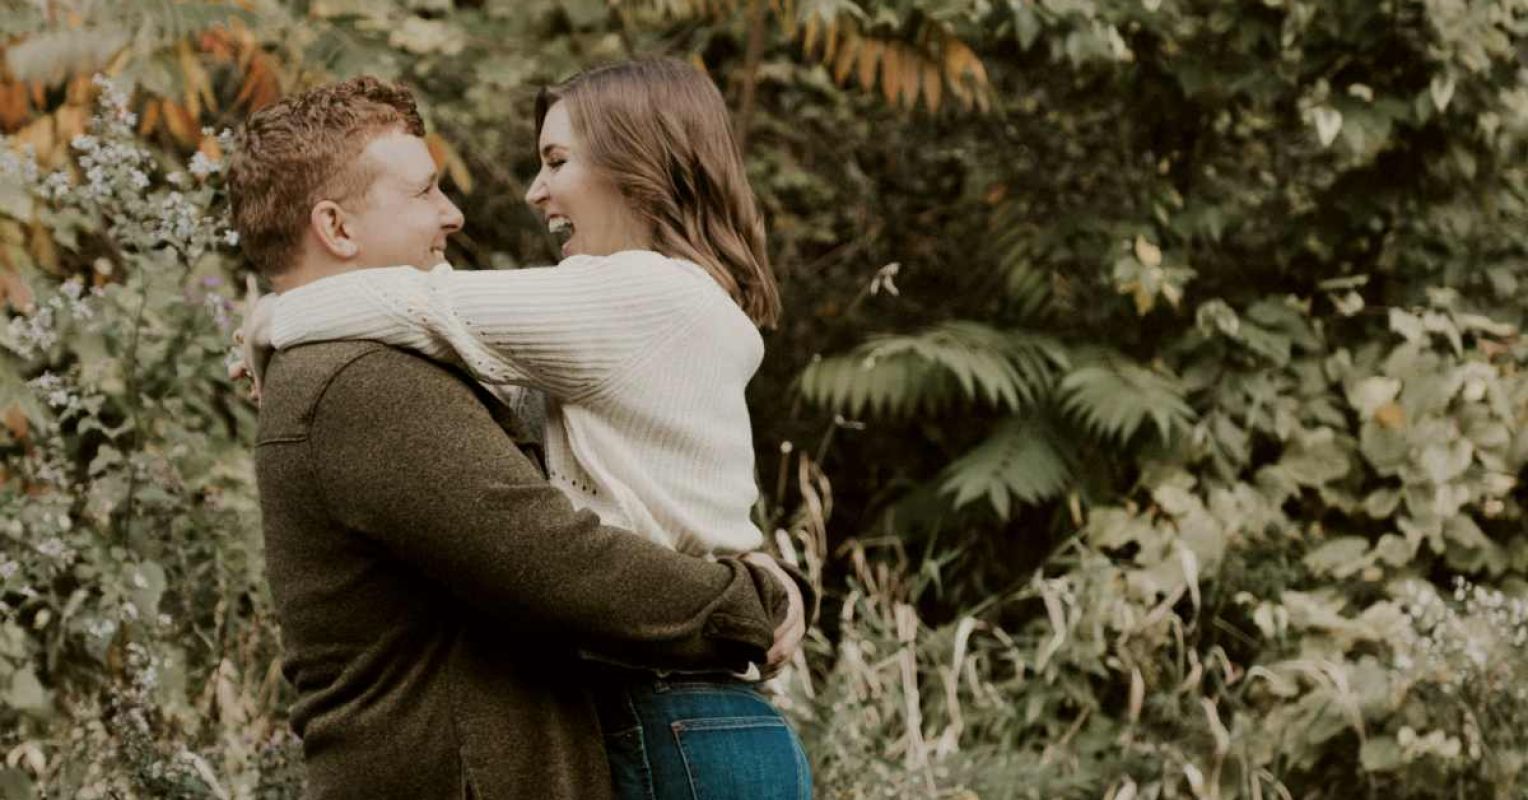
[[1112, 397], [1018, 460], [968, 361], [1166, 388], [136, 628]]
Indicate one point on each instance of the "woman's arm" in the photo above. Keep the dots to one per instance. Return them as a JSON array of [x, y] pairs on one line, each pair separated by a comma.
[[562, 329]]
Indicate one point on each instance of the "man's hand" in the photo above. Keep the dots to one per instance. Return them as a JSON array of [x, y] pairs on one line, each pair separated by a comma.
[[789, 634], [252, 339]]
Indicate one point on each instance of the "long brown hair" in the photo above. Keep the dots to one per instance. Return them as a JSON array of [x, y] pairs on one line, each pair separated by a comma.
[[659, 129]]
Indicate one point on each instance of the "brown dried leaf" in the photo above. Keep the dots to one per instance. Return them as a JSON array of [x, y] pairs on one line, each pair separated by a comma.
[[181, 124], [846, 58], [15, 109], [40, 135], [891, 72], [933, 85], [71, 121], [13, 290], [149, 120], [447, 157], [15, 420], [869, 57], [809, 36], [912, 71], [261, 84], [44, 250], [831, 45], [1390, 415]]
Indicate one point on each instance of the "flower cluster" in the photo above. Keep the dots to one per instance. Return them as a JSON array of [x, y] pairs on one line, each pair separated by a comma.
[[1472, 643]]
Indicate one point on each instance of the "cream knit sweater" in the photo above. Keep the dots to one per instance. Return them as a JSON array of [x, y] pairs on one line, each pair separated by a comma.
[[643, 360]]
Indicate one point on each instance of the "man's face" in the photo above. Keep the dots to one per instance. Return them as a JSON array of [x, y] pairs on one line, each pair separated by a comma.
[[403, 218]]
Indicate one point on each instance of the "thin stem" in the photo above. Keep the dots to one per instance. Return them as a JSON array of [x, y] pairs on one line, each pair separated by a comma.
[[753, 56]]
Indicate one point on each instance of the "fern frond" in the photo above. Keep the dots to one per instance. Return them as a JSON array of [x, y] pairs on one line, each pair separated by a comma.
[[1020, 460], [1113, 396], [1019, 253], [895, 375]]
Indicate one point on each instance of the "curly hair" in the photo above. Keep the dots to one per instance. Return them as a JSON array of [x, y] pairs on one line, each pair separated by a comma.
[[303, 149]]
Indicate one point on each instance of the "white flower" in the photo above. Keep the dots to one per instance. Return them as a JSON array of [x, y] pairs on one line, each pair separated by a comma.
[[201, 166]]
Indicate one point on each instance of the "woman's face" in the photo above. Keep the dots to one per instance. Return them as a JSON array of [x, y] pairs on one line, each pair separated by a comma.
[[580, 206]]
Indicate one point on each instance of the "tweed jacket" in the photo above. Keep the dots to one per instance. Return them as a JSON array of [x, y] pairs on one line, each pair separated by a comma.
[[432, 589]]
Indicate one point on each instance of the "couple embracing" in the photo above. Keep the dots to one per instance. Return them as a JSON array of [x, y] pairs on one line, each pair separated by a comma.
[[458, 621]]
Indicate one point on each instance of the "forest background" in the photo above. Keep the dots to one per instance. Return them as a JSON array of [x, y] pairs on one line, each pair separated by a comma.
[[1149, 399]]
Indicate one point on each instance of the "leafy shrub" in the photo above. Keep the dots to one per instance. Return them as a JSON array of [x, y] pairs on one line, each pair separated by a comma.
[[138, 648]]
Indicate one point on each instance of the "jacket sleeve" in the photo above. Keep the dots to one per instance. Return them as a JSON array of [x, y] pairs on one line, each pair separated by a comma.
[[410, 459]]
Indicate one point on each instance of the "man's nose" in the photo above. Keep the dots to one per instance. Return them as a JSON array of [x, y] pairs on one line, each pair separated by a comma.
[[452, 221]]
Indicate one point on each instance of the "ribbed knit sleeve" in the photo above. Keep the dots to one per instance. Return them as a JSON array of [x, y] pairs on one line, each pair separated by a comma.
[[565, 329]]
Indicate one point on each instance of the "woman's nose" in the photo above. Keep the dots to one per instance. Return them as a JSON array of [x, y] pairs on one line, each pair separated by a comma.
[[537, 194]]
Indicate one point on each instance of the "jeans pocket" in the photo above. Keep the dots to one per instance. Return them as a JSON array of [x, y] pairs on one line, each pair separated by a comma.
[[743, 758]]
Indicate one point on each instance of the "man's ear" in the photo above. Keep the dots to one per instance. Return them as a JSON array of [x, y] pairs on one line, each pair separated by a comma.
[[330, 224]]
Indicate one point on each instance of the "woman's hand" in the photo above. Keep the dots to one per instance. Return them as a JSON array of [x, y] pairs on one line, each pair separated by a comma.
[[252, 339], [789, 634]]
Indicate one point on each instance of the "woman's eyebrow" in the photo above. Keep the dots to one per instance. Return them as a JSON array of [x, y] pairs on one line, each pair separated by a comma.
[[546, 149]]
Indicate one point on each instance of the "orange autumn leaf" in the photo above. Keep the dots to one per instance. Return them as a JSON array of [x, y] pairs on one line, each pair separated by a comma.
[[13, 290], [447, 158], [1390, 415], [15, 420], [14, 106], [180, 122]]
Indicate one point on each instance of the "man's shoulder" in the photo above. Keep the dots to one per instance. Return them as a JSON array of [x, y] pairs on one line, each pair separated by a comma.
[[297, 379]]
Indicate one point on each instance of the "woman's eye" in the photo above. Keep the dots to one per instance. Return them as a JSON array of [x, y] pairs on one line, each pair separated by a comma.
[[555, 163]]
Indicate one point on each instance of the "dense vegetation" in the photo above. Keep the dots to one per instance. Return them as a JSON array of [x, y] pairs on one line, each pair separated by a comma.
[[1150, 397]]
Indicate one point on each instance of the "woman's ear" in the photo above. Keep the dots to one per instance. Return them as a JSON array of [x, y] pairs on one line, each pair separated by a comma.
[[330, 225]]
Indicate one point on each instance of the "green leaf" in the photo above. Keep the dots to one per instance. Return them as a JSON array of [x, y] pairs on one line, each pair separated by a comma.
[[1339, 557], [1381, 754], [965, 361], [27, 694], [1114, 396], [1020, 460]]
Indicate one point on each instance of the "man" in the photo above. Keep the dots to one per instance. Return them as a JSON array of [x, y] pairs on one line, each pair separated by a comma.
[[433, 589]]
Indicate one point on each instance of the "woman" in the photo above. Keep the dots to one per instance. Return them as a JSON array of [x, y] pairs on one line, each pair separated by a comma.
[[643, 340]]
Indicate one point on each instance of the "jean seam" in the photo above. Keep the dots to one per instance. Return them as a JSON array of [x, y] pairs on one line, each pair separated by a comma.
[[727, 723], [648, 789], [803, 769], [684, 756], [709, 687]]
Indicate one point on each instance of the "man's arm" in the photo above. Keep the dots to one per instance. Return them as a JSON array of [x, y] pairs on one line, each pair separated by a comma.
[[408, 456]]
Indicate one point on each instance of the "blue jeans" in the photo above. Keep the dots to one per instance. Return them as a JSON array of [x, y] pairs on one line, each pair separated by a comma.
[[689, 739]]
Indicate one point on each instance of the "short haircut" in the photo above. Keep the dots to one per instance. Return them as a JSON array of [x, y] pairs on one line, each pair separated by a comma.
[[301, 150]]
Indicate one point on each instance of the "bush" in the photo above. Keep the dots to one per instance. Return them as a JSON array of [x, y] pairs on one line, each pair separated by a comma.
[[139, 654]]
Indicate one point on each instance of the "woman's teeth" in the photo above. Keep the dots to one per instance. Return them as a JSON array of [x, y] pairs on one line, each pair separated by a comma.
[[561, 228]]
